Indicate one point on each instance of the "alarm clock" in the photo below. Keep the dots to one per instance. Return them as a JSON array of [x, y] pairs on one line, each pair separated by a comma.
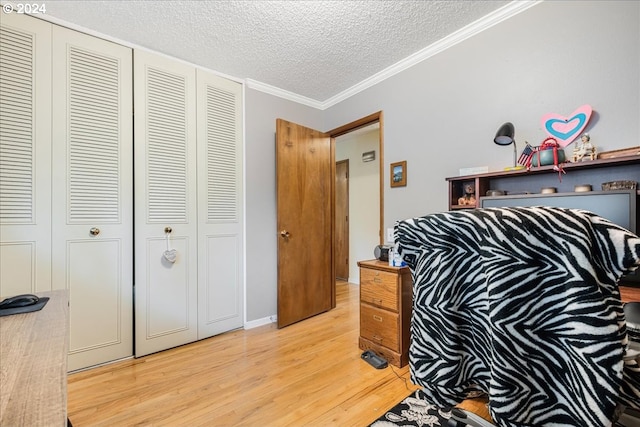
[[381, 252]]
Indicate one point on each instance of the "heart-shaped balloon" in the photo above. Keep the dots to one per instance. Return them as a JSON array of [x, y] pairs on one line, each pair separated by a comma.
[[566, 129]]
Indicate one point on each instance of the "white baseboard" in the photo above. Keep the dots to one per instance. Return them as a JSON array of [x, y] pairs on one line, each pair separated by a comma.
[[260, 322]]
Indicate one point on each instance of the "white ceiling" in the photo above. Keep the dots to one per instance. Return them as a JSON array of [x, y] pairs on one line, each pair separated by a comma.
[[315, 50]]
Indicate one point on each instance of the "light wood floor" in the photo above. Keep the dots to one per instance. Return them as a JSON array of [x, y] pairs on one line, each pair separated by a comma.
[[308, 374]]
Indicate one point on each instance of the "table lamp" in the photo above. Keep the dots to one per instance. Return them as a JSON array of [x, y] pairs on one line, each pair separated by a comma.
[[504, 136]]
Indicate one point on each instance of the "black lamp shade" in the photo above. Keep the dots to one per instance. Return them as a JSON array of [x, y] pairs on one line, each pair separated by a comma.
[[505, 134]]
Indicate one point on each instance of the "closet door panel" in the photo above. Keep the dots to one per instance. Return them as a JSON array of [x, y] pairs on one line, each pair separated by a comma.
[[165, 206], [221, 297], [220, 205], [93, 194], [163, 295], [25, 155], [85, 259]]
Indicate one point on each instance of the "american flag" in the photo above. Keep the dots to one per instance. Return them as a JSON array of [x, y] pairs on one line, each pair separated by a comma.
[[526, 155]]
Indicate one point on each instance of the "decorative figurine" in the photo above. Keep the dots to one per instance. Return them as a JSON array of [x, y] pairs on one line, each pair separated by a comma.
[[469, 197], [584, 149]]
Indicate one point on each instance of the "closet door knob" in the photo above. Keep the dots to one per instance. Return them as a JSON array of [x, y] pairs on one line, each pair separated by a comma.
[[285, 234], [94, 231]]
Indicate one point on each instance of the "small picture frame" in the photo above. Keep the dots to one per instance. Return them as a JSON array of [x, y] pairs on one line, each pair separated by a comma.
[[399, 174]]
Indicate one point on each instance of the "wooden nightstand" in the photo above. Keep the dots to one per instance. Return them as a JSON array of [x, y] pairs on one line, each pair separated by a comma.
[[385, 310]]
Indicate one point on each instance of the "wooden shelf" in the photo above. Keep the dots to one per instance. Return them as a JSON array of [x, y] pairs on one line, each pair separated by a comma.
[[593, 172], [589, 164]]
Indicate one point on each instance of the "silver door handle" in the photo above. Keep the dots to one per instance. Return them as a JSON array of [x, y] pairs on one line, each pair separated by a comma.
[[94, 231], [285, 234]]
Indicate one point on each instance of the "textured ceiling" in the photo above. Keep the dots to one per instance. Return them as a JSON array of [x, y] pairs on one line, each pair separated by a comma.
[[314, 49]]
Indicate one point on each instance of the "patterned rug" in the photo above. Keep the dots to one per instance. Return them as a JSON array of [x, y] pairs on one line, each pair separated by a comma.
[[414, 410]]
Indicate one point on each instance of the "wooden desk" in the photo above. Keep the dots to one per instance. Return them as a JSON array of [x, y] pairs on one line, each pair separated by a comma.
[[33, 364]]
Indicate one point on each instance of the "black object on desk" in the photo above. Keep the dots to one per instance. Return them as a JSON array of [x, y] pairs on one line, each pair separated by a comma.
[[25, 303]]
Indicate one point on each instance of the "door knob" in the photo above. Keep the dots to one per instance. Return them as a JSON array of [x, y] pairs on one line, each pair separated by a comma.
[[94, 231], [285, 234]]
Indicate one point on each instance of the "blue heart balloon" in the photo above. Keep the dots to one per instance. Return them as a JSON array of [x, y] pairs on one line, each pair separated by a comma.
[[582, 118]]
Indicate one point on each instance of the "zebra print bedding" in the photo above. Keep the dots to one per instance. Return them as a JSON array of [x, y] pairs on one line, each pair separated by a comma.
[[522, 304]]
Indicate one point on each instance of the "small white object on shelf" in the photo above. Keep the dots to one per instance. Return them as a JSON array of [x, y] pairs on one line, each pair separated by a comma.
[[474, 170]]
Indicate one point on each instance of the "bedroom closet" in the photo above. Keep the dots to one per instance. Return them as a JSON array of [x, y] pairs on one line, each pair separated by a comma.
[[188, 186], [67, 156], [66, 179]]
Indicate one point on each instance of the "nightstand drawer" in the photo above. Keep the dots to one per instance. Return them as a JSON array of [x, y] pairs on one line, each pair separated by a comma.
[[380, 326], [379, 288]]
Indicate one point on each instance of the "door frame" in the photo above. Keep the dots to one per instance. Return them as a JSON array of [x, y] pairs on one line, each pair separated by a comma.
[[350, 127], [345, 233]]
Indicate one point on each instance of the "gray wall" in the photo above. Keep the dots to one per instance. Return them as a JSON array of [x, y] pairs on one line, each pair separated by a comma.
[[441, 115]]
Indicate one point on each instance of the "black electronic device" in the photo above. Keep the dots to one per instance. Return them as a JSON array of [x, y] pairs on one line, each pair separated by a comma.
[[19, 301], [374, 360], [381, 252], [24, 303]]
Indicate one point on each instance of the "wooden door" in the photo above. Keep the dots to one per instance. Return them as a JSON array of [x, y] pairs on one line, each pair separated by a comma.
[[342, 220], [166, 308], [92, 199], [305, 173]]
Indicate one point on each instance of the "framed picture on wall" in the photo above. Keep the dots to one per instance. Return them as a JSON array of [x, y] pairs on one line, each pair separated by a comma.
[[399, 174]]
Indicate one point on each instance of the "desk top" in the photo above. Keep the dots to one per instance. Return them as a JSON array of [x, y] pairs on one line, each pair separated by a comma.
[[33, 364], [381, 265]]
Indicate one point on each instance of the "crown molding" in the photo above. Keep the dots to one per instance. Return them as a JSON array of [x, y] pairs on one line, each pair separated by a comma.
[[509, 10], [281, 93]]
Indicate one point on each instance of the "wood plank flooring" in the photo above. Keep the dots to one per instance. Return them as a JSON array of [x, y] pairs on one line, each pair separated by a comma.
[[308, 374]]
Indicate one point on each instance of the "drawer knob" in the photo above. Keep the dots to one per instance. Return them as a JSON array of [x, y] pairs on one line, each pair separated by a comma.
[[377, 318], [377, 280]]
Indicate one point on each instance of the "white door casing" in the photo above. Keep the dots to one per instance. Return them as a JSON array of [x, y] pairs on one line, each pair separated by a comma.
[[220, 205], [92, 200], [165, 189], [25, 155]]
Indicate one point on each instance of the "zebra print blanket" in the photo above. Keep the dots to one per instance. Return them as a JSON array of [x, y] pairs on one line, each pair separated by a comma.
[[522, 304]]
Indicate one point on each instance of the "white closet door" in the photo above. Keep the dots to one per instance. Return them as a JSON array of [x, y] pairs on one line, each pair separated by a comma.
[[165, 188], [92, 194], [220, 205], [25, 155]]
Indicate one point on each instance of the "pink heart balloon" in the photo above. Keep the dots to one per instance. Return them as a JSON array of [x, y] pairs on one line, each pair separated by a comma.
[[564, 129]]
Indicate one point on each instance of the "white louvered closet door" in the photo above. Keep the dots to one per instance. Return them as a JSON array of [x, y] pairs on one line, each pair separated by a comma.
[[165, 189], [92, 194], [220, 205], [25, 155]]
